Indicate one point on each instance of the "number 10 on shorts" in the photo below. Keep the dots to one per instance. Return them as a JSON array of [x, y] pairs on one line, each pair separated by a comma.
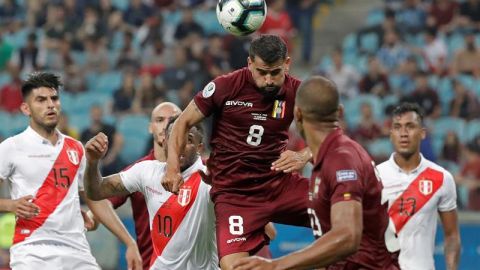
[[236, 225]]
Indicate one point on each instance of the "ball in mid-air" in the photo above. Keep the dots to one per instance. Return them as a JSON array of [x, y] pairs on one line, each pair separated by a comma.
[[241, 17]]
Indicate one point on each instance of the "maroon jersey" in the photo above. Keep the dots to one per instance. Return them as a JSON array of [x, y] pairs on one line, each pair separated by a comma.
[[140, 217], [249, 131], [344, 171]]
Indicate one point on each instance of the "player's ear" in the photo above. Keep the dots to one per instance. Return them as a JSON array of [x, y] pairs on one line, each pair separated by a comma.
[[25, 109], [288, 61], [150, 128], [424, 133], [297, 113]]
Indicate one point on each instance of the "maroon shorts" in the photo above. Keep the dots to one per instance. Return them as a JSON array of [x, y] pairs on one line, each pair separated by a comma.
[[241, 218]]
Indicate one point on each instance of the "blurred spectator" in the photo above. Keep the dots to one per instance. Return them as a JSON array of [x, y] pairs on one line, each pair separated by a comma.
[[470, 13], [129, 58], [156, 57], [27, 58], [434, 52], [278, 22], [96, 56], [6, 51], [187, 26], [11, 93], [137, 12], [91, 25], [65, 127], [237, 47], [367, 128], [148, 95], [105, 9], [9, 11], [74, 79], [55, 27], [58, 59], [115, 29], [111, 163], [442, 14], [452, 147], [465, 103], [151, 31], [302, 13], [177, 80], [345, 76], [469, 175], [393, 52], [74, 13], [467, 60], [411, 18], [123, 97], [388, 24], [375, 81], [215, 59], [406, 75], [36, 13], [424, 96]]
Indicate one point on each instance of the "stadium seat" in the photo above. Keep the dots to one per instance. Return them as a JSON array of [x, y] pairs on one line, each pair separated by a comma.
[[375, 17], [134, 125], [5, 124], [79, 121], [208, 20], [133, 148], [349, 44], [353, 105], [472, 130], [18, 122], [454, 43], [106, 83], [389, 100], [380, 147], [369, 42], [445, 124], [4, 78]]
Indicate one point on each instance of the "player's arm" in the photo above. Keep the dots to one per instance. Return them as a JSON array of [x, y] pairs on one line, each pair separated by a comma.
[[176, 144], [21, 207], [341, 241], [290, 161], [96, 187], [105, 213], [452, 238]]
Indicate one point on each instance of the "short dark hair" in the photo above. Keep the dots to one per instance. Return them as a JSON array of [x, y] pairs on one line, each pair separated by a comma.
[[40, 79], [270, 48], [198, 126], [409, 107]]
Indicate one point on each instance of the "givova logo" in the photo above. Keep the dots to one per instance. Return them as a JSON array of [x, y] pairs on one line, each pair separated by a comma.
[[238, 239]]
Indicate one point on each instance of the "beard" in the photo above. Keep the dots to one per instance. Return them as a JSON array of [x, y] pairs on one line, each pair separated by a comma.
[[269, 92]]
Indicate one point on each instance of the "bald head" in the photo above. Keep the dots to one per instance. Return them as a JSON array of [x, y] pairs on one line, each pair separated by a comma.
[[166, 109], [159, 119], [318, 99]]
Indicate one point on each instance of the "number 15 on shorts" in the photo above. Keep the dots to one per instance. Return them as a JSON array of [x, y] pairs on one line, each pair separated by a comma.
[[236, 225]]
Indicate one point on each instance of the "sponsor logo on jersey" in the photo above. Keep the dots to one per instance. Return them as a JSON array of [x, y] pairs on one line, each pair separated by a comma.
[[425, 187], [153, 191], [346, 175], [208, 90], [238, 239], [238, 103], [73, 156], [278, 109], [184, 196]]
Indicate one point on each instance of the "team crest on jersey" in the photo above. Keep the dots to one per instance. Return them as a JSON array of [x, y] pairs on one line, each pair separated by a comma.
[[278, 109], [184, 195], [73, 156], [208, 90], [425, 187]]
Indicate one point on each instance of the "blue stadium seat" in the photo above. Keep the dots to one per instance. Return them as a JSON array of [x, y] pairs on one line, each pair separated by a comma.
[[122, 5], [5, 124], [133, 148], [445, 93], [370, 42], [349, 44], [82, 102], [353, 105], [134, 125], [106, 83], [375, 17], [79, 121], [208, 20], [443, 125], [454, 43], [381, 147], [389, 100], [4, 78], [18, 123], [472, 130]]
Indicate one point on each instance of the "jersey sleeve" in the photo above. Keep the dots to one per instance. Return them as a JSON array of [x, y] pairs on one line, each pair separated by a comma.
[[118, 201], [132, 178], [6, 166], [448, 200], [344, 178], [211, 97]]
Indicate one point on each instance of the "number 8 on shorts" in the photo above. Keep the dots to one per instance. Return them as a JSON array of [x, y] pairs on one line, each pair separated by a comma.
[[236, 225]]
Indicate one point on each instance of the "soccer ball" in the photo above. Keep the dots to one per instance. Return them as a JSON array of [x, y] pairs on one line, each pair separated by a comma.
[[241, 17]]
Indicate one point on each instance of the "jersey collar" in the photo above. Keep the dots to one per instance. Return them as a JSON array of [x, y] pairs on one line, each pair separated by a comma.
[[198, 165], [397, 168], [322, 152], [38, 138]]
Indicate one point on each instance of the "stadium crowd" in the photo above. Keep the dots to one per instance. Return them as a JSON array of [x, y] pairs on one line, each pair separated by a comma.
[[118, 59]]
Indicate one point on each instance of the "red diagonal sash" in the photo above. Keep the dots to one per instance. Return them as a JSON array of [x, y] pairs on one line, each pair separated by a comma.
[[418, 193], [172, 212], [54, 188]]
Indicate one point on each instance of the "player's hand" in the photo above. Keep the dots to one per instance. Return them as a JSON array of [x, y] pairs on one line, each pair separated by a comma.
[[91, 223], [172, 180], [24, 207], [206, 177], [254, 263], [134, 260], [290, 161], [96, 147]]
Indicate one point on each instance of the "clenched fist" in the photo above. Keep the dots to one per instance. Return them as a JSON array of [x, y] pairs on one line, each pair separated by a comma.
[[96, 147]]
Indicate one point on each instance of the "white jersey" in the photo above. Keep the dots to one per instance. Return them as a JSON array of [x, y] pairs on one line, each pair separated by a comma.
[[183, 226], [53, 174], [414, 200]]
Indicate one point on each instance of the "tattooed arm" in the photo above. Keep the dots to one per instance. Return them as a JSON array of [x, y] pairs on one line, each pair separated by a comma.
[[96, 187]]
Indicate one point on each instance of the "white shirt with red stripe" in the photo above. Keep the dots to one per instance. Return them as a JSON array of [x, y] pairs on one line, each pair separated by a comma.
[[25, 162], [183, 226], [416, 233]]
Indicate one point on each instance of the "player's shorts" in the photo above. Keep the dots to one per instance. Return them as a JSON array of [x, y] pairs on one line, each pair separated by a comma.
[[241, 218], [50, 256]]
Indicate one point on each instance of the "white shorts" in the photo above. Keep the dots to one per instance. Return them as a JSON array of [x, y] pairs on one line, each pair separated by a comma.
[[50, 256]]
